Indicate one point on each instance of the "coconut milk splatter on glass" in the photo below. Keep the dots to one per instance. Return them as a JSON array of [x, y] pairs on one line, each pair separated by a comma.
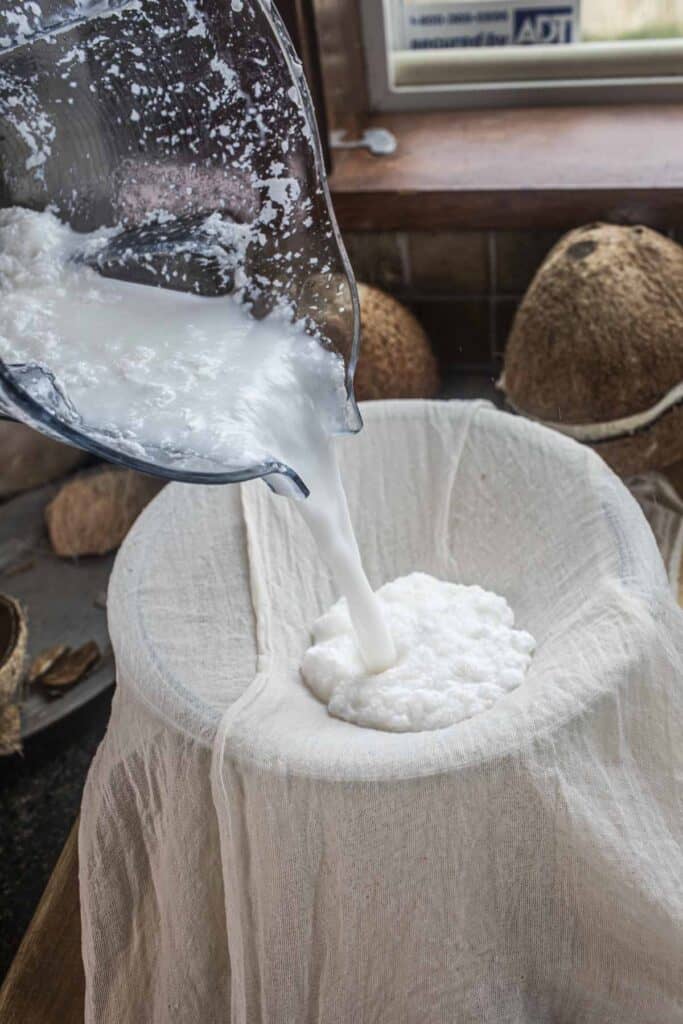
[[182, 299], [178, 371]]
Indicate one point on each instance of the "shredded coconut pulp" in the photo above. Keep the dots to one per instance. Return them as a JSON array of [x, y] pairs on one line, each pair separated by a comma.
[[458, 653]]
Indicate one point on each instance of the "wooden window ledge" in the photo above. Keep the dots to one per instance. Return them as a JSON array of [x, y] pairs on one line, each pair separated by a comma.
[[523, 168]]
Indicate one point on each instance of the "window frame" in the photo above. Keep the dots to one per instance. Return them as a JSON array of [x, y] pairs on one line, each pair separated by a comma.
[[621, 87]]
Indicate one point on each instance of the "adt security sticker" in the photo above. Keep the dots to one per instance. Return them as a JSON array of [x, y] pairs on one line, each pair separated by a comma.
[[542, 25], [443, 24]]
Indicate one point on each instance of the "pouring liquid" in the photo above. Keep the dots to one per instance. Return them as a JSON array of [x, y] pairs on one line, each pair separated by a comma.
[[327, 514], [142, 367]]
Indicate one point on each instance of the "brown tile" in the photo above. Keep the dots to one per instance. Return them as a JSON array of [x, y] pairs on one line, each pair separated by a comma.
[[460, 332], [472, 384], [503, 314], [376, 258], [519, 254], [452, 261]]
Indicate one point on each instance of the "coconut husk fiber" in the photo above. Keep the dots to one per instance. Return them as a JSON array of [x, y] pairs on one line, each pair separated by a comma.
[[93, 512], [598, 337], [396, 358]]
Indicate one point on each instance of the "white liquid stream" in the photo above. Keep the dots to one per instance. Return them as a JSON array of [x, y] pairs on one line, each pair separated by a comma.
[[161, 367]]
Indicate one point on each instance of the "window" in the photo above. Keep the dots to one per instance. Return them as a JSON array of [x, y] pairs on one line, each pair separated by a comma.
[[448, 53]]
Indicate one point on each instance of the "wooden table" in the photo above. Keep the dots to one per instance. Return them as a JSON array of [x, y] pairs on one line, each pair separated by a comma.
[[45, 983]]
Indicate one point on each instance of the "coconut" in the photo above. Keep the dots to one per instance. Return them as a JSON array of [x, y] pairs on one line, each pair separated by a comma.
[[29, 459], [13, 636], [93, 512], [396, 359], [596, 347]]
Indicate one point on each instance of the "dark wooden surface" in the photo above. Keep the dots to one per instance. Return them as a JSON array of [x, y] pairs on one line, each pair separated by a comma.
[[45, 984], [519, 168]]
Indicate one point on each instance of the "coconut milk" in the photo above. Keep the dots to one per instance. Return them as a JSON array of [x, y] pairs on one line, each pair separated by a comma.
[[145, 367]]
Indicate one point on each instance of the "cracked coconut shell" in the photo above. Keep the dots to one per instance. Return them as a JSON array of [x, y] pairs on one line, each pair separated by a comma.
[[13, 637], [396, 359], [598, 338]]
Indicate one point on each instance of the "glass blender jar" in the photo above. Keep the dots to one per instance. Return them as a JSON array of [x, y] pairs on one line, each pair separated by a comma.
[[187, 128]]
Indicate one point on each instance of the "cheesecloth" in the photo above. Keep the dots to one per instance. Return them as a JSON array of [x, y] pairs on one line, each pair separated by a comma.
[[246, 858]]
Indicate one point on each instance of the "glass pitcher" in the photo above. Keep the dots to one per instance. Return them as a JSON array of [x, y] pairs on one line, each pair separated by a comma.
[[188, 125]]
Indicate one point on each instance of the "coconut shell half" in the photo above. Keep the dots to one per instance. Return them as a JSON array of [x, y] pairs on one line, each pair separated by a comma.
[[597, 343], [654, 447], [93, 512], [13, 637], [396, 358]]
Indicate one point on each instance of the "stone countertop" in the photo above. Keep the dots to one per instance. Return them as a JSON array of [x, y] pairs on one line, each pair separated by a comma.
[[40, 795]]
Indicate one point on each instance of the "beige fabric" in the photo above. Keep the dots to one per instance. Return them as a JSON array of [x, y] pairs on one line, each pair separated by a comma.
[[246, 858]]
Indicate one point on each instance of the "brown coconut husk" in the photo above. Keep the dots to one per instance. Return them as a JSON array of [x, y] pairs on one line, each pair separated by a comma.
[[655, 447], [396, 359], [29, 459], [13, 637], [599, 336], [93, 512]]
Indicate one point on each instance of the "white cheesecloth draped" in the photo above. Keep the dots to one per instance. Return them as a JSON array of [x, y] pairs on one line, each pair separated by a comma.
[[245, 857]]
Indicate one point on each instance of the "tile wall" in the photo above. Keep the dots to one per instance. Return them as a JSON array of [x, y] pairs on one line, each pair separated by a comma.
[[463, 286]]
